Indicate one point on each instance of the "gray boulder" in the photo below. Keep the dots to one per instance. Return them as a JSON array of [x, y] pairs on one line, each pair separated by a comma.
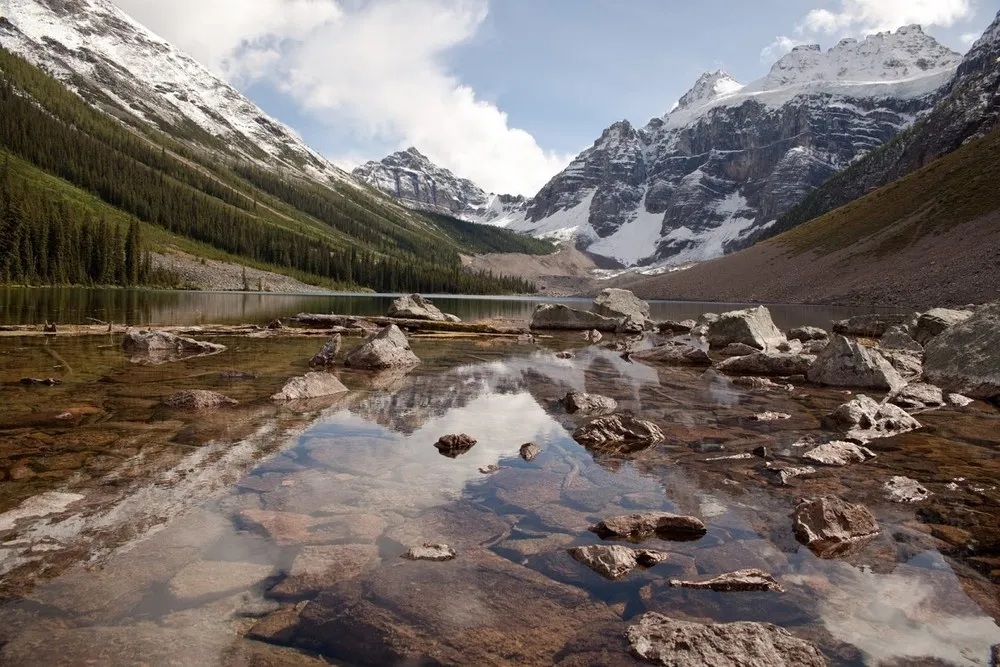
[[936, 320], [874, 325], [674, 355], [622, 304], [198, 399], [965, 357], [387, 348], [752, 326], [588, 403], [831, 526], [639, 526], [741, 581], [310, 385], [326, 356], [159, 347], [865, 419], [558, 317], [901, 489], [778, 364], [898, 338], [415, 307], [806, 334], [918, 395], [674, 643], [619, 434], [909, 364], [846, 363]]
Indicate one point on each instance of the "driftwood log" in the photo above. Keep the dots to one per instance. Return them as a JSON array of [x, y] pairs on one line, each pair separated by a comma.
[[347, 321]]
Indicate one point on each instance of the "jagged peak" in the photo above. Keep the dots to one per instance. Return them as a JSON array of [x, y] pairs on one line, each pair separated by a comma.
[[709, 86], [412, 150]]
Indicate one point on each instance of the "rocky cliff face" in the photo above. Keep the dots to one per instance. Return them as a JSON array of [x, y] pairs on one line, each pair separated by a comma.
[[121, 67], [419, 183], [729, 159]]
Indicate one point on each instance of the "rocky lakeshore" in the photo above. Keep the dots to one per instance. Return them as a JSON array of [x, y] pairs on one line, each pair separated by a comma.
[[593, 487]]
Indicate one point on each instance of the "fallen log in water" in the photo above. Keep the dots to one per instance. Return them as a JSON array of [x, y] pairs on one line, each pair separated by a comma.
[[487, 327]]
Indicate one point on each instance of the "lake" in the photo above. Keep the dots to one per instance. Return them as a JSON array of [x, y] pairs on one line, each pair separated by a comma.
[[271, 534]]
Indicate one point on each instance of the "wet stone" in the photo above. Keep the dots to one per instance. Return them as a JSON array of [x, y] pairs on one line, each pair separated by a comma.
[[455, 445], [216, 577], [589, 403], [640, 526], [277, 627], [615, 561], [430, 551], [770, 416], [831, 526], [529, 451], [750, 580], [901, 489], [839, 453], [198, 399], [619, 433], [328, 353], [310, 385]]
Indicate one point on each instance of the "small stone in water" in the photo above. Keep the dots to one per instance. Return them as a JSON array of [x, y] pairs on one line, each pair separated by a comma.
[[455, 445], [490, 469], [529, 451], [431, 552], [770, 416]]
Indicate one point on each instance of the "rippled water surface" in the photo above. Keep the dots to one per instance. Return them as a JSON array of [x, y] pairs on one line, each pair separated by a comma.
[[134, 533]]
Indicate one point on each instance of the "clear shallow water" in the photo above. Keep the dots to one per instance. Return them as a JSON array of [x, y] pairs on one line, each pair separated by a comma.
[[142, 307], [175, 534]]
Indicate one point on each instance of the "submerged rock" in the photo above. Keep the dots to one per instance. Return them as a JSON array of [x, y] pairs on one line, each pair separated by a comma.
[[864, 419], [615, 561], [560, 317], [588, 403], [317, 568], [748, 580], [752, 327], [936, 320], [453, 445], [325, 357], [831, 526], [198, 399], [622, 304], [157, 347], [310, 385], [780, 364], [529, 451], [415, 307], [673, 643], [965, 357], [674, 355], [901, 489], [387, 348], [806, 334], [845, 363], [619, 433], [872, 326], [839, 453], [431, 552], [642, 525]]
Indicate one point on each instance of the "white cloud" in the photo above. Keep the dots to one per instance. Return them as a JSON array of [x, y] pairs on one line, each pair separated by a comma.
[[969, 38], [869, 16], [779, 47], [376, 68]]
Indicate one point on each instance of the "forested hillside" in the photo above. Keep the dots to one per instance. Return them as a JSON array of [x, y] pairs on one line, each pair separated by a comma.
[[184, 197]]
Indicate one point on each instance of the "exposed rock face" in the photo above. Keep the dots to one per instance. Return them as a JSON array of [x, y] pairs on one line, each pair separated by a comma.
[[615, 561], [778, 364], [872, 326], [431, 552], [158, 347], [454, 445], [619, 433], [640, 526], [918, 395], [965, 358], [936, 320], [621, 303], [415, 307], [838, 453], [674, 355], [846, 363], [672, 643], [901, 489], [529, 451], [740, 581], [831, 526], [805, 334], [326, 356], [752, 327], [310, 385], [559, 317], [589, 403], [899, 338], [865, 419], [387, 348], [198, 399]]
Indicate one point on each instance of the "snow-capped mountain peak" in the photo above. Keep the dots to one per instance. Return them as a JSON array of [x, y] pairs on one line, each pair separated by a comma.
[[709, 86]]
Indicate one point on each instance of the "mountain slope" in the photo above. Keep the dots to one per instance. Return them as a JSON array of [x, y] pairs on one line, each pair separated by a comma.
[[417, 182], [931, 238], [729, 159], [266, 200]]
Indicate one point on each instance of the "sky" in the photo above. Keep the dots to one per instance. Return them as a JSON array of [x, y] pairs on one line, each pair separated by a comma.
[[506, 92]]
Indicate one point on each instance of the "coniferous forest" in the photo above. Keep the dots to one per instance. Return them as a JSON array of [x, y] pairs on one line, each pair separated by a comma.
[[330, 234]]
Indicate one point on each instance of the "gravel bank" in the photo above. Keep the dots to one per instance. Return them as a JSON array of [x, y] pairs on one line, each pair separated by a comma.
[[209, 274]]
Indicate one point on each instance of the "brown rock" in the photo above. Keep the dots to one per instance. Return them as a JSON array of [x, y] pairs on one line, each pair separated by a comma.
[[619, 434], [197, 400], [588, 403], [277, 627], [455, 445], [640, 526], [739, 581], [674, 355], [310, 385], [529, 451], [326, 356], [831, 526]]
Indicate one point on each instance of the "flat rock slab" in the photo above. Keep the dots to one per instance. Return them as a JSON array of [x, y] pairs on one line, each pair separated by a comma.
[[750, 580], [832, 527], [211, 577], [642, 525], [316, 568], [782, 364], [839, 453], [901, 489], [556, 317], [872, 326], [431, 551], [672, 643], [310, 385]]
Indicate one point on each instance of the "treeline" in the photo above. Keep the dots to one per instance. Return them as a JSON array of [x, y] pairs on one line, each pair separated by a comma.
[[478, 238], [95, 153], [44, 242]]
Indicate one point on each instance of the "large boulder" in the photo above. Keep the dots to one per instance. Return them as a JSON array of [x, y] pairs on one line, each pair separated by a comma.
[[846, 363], [752, 326], [619, 434], [874, 325], [158, 347], [899, 338], [415, 307], [965, 357], [310, 385], [557, 317], [673, 643], [674, 355], [936, 320], [387, 348], [831, 526], [778, 364], [576, 401], [622, 304], [864, 419]]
